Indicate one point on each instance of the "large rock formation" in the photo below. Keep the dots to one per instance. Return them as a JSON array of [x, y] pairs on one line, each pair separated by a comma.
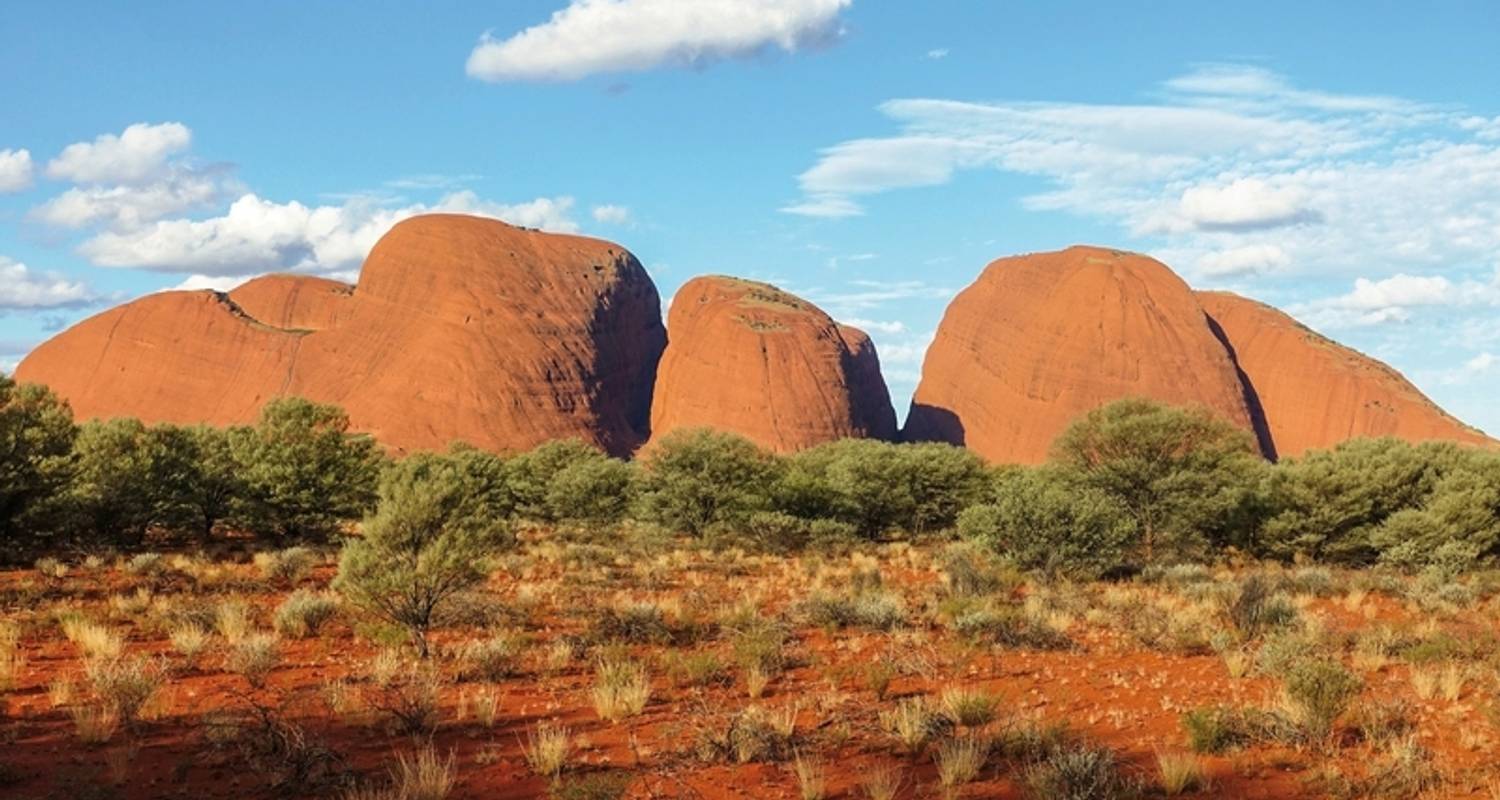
[[461, 328], [1316, 392], [1040, 339], [750, 358], [295, 302]]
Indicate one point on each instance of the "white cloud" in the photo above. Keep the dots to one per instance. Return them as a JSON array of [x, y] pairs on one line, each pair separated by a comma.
[[1251, 259], [826, 206], [257, 235], [611, 214], [138, 154], [597, 36], [1352, 184], [15, 170], [937, 53], [22, 288], [218, 283], [1395, 300], [1244, 204], [132, 206], [876, 326]]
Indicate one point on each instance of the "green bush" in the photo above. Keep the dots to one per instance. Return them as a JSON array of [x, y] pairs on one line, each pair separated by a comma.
[[593, 491], [1188, 478], [426, 544], [36, 437], [305, 474], [530, 476], [1042, 520], [1320, 691], [694, 479]]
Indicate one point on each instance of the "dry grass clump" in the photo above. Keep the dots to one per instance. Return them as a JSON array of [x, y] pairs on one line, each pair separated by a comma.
[[1180, 773], [94, 640], [94, 723], [812, 778], [254, 657], [124, 685], [882, 782], [914, 723], [12, 659], [190, 641], [232, 620], [303, 613], [548, 747], [621, 689], [971, 708], [424, 775], [959, 760], [493, 659], [288, 566]]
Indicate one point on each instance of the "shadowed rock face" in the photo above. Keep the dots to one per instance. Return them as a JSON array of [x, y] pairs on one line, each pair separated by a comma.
[[750, 358], [1041, 339], [460, 329], [1317, 393]]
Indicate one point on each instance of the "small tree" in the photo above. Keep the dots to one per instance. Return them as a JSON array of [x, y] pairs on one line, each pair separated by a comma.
[[531, 473], [114, 497], [305, 474], [427, 542], [36, 445], [214, 487], [595, 491], [697, 478], [1187, 477], [1045, 521]]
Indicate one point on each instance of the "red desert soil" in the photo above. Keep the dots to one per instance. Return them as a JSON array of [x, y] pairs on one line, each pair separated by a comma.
[[1040, 339], [1316, 392], [750, 358], [461, 328], [1108, 688]]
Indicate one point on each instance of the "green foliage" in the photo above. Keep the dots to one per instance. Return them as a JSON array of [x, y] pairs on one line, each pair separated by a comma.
[[1429, 504], [36, 442], [1320, 691], [593, 491], [1079, 772], [698, 478], [115, 494], [1187, 477], [878, 487], [305, 474], [1044, 520], [530, 476], [427, 543], [205, 485]]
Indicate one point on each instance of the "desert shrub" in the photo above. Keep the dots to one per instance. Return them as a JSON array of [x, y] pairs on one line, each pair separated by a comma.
[[1188, 478], [748, 735], [253, 658], [36, 435], [286, 566], [208, 487], [304, 473], [114, 494], [426, 544], [913, 722], [1008, 626], [1256, 610], [1042, 520], [960, 759], [1079, 772], [1330, 504], [529, 476], [1280, 652], [593, 491], [302, 613], [695, 669], [1319, 692], [547, 749], [877, 486], [970, 708], [773, 531], [694, 479], [408, 697], [1217, 729], [123, 685], [608, 785], [876, 610], [1180, 773], [491, 659], [424, 775], [972, 570]]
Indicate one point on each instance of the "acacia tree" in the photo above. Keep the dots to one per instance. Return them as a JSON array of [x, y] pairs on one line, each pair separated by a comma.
[[36, 445], [1185, 476], [1043, 520], [304, 473], [427, 542]]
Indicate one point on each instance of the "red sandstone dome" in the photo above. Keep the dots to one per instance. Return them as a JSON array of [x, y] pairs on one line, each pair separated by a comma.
[[750, 358], [461, 328], [1040, 339], [1315, 392]]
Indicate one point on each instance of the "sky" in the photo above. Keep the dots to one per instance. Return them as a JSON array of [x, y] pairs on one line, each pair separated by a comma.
[[1340, 161]]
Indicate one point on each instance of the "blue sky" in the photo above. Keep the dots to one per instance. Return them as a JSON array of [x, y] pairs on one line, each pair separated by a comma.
[[1340, 161]]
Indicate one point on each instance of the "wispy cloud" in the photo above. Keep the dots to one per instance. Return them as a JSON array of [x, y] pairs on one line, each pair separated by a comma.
[[602, 36]]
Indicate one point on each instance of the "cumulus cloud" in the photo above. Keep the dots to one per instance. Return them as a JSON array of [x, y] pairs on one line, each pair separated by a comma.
[[1244, 204], [15, 170], [1251, 259], [611, 214], [1396, 299], [138, 154], [257, 235], [22, 288], [599, 36], [132, 206]]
